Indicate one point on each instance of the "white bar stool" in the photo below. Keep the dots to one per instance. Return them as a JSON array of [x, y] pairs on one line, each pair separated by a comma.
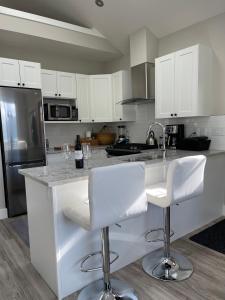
[[115, 193], [185, 180]]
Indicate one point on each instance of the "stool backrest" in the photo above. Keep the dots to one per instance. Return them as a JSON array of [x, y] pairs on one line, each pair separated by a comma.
[[116, 193], [185, 178]]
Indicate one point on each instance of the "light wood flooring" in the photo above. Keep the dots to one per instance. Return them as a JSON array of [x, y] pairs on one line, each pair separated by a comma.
[[19, 280]]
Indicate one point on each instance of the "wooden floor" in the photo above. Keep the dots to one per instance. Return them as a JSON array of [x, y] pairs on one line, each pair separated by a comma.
[[19, 280]]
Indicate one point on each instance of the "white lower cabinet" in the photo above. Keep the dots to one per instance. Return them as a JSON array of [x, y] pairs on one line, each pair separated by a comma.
[[121, 90], [184, 83]]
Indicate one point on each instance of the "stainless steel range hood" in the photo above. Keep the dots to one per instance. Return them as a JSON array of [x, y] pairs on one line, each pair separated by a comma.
[[143, 84]]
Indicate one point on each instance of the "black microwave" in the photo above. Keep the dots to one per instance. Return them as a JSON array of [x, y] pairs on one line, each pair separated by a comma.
[[60, 112]]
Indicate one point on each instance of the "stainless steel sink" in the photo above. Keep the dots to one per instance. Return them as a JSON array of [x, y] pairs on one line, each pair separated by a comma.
[[144, 157]]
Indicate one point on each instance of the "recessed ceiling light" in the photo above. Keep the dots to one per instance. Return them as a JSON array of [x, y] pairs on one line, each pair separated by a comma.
[[99, 3]]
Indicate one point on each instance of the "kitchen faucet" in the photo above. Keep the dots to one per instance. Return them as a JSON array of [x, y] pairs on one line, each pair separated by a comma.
[[163, 149]]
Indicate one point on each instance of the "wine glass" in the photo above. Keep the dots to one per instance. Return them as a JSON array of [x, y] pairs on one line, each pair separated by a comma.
[[66, 151], [86, 148]]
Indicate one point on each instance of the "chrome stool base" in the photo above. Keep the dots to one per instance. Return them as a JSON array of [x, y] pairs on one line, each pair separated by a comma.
[[119, 291], [176, 268]]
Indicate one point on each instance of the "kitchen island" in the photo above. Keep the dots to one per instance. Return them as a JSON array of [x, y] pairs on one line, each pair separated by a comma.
[[57, 245]]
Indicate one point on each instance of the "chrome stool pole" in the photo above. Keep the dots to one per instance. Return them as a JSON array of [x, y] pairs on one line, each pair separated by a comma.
[[107, 288], [165, 264], [106, 259]]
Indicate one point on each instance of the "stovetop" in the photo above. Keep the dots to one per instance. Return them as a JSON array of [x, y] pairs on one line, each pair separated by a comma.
[[126, 149]]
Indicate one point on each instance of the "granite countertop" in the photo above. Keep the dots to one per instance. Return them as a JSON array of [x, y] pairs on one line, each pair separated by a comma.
[[64, 171]]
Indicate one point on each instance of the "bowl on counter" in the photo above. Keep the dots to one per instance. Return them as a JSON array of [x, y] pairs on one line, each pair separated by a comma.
[[106, 138]]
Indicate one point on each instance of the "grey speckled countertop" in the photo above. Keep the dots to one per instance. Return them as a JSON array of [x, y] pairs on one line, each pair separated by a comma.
[[63, 171]]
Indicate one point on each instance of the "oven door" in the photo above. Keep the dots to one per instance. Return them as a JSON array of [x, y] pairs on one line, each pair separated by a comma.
[[59, 112]]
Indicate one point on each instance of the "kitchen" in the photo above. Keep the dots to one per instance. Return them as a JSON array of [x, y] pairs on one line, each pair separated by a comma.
[[84, 82]]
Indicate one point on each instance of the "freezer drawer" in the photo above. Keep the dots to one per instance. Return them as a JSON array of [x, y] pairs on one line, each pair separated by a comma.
[[15, 188]]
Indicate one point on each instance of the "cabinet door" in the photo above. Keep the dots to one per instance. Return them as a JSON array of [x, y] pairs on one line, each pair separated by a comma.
[[49, 83], [9, 72], [117, 96], [83, 100], [186, 82], [164, 86], [66, 85], [30, 74], [101, 98]]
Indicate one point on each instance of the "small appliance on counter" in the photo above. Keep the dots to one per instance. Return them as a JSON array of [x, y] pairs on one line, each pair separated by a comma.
[[122, 135], [151, 140], [174, 135], [127, 149], [195, 143]]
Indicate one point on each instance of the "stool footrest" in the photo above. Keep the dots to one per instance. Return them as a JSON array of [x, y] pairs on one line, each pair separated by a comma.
[[150, 238], [87, 257]]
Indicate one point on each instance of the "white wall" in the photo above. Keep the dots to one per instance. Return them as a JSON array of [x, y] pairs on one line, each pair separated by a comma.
[[50, 60]]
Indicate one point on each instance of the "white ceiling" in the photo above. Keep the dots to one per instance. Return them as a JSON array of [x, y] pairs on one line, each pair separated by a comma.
[[119, 18]]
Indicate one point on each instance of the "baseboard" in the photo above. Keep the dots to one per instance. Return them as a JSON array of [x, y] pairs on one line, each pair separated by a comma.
[[3, 213], [223, 210]]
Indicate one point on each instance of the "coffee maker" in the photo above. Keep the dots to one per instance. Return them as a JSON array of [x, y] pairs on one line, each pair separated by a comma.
[[174, 135]]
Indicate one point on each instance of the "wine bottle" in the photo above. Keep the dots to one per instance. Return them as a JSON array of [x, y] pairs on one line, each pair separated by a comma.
[[79, 159]]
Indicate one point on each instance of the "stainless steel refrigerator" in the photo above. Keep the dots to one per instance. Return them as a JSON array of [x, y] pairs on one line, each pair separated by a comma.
[[22, 141]]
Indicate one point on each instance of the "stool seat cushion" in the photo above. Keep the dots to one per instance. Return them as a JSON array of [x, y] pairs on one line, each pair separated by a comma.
[[76, 206], [157, 194], [110, 195]]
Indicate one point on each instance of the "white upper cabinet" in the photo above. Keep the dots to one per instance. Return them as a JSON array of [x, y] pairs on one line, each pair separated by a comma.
[[58, 84], [164, 86], [30, 74], [66, 85], [17, 73], [83, 98], [101, 98], [186, 80], [184, 83], [121, 90], [9, 72], [49, 83]]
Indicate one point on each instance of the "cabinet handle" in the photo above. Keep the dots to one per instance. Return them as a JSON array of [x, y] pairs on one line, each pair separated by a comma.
[[171, 115], [59, 94], [55, 94], [120, 119], [175, 115], [18, 83], [80, 120], [93, 120], [23, 84]]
